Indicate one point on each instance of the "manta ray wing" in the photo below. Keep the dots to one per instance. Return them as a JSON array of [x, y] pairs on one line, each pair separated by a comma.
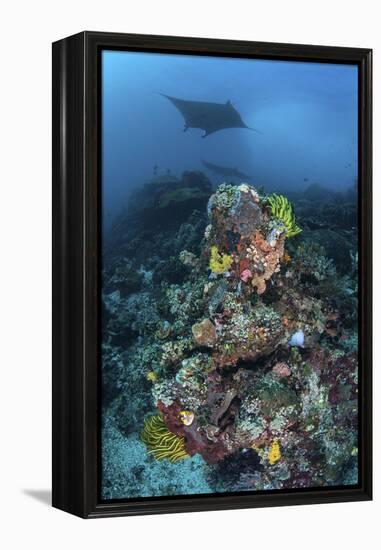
[[207, 116]]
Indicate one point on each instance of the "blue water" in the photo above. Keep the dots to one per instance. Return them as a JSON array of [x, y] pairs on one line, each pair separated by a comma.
[[306, 113], [306, 116]]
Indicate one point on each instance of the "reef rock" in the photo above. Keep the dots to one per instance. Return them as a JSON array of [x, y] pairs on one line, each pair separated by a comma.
[[242, 228], [204, 333], [234, 378]]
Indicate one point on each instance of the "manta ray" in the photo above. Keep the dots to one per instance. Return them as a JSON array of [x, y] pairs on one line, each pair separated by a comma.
[[226, 171], [208, 116]]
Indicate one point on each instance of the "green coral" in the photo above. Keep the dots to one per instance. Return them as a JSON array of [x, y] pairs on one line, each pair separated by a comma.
[[219, 263], [161, 442], [281, 208]]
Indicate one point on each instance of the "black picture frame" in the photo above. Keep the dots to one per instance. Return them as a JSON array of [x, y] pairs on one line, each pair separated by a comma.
[[76, 288]]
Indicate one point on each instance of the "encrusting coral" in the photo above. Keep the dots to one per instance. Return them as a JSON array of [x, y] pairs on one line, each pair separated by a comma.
[[204, 333], [161, 442], [274, 452]]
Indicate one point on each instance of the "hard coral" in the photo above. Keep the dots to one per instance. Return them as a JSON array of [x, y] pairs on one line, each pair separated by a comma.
[[204, 333]]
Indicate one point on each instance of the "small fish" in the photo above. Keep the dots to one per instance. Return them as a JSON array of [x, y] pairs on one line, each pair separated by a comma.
[[297, 339]]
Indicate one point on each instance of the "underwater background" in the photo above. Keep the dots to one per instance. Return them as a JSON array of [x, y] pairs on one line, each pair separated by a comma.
[[229, 275]]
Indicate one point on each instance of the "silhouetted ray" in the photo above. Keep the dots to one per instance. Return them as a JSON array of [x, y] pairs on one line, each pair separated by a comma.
[[226, 171], [210, 117]]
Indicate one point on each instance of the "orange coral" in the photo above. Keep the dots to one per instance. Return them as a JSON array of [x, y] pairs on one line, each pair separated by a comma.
[[269, 257], [261, 243], [243, 264]]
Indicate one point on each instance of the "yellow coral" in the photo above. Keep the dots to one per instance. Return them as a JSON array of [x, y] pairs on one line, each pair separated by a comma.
[[219, 263], [286, 258], [161, 442], [152, 376], [187, 417], [274, 452]]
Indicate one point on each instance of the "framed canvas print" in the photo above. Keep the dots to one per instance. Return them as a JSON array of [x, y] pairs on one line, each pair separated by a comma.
[[211, 274]]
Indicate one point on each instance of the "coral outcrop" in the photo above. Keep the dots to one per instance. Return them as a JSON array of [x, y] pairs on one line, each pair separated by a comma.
[[239, 340]]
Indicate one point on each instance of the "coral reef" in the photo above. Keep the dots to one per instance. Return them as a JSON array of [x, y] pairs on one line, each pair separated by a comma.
[[128, 470], [229, 343]]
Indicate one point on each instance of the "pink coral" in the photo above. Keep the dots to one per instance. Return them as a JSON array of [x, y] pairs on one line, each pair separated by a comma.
[[246, 275], [282, 369]]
